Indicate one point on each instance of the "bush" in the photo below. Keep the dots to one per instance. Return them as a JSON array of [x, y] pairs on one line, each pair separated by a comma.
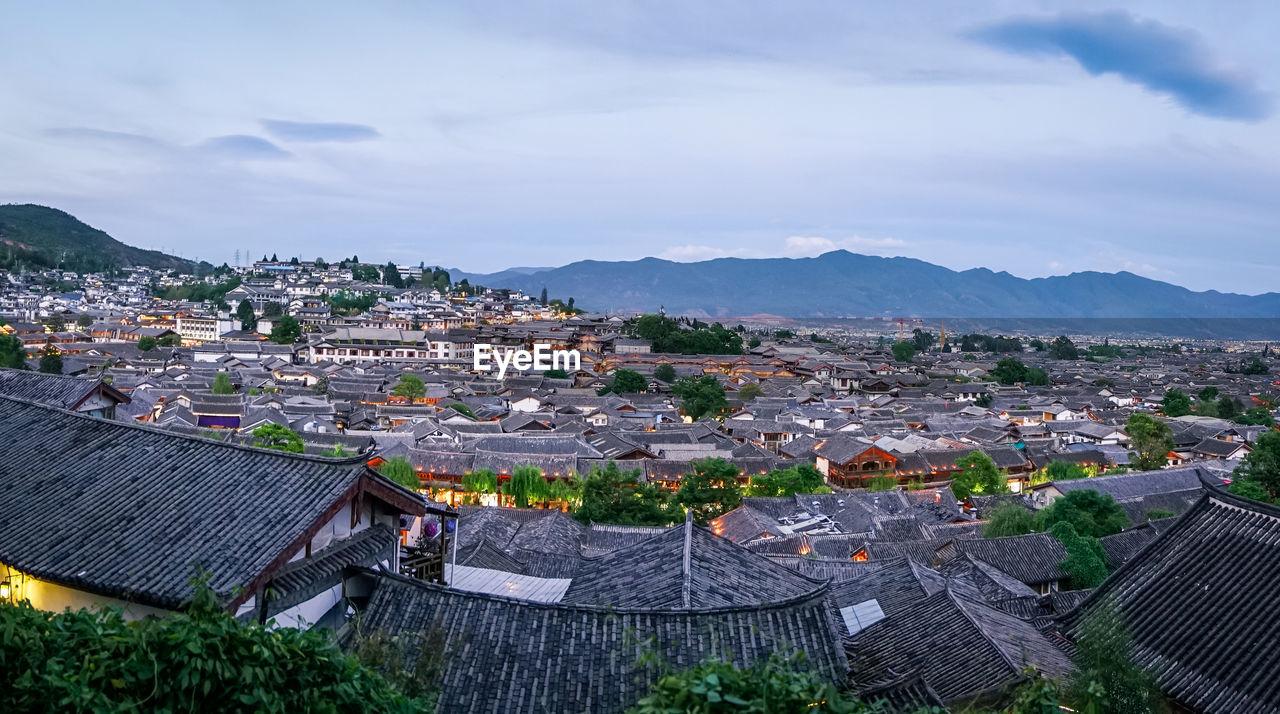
[[1008, 519], [203, 659], [1090, 513]]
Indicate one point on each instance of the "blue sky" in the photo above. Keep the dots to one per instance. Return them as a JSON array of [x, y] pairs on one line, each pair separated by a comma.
[[1035, 137]]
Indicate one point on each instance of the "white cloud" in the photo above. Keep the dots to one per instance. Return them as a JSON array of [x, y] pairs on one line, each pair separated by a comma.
[[808, 246], [693, 253]]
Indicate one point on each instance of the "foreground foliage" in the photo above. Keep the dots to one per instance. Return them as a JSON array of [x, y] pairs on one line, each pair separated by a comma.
[[202, 660]]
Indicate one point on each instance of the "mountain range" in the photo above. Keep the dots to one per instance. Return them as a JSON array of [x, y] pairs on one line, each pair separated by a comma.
[[844, 284]]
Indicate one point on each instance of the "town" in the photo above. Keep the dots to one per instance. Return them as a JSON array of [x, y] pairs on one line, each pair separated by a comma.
[[909, 519]]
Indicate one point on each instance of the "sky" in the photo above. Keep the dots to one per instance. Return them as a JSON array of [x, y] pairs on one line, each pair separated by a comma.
[[1041, 138]]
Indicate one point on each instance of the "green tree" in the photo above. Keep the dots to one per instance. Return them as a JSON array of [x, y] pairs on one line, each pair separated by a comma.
[[749, 391], [710, 489], [222, 384], [611, 495], [1086, 561], [1009, 371], [1156, 514], [527, 486], [50, 360], [1063, 348], [1175, 403], [272, 309], [321, 387], [1106, 678], [700, 397], [542, 299], [146, 344], [1150, 441], [337, 452], [779, 684], [1037, 377], [170, 340], [787, 482], [56, 322], [783, 334], [244, 313], [1008, 519], [1229, 407], [1090, 513], [555, 374], [286, 331], [278, 437], [980, 476], [480, 481], [391, 276], [1064, 471], [84, 321], [903, 351], [626, 381], [410, 387], [1256, 416], [753, 342], [1208, 394], [665, 373], [202, 659], [400, 470], [12, 354], [1258, 476]]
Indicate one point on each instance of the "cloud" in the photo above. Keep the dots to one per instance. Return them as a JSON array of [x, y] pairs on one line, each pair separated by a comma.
[[1164, 59], [693, 253], [102, 136], [318, 131], [243, 146], [808, 246]]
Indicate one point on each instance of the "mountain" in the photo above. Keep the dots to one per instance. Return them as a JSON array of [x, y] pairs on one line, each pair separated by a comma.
[[39, 236], [844, 284]]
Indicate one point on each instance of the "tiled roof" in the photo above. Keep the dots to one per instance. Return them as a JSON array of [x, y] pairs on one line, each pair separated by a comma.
[[508, 657]]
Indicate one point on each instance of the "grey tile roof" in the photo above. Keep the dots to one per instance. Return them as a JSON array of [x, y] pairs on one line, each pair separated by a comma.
[[126, 510], [1199, 602], [55, 390], [509, 657]]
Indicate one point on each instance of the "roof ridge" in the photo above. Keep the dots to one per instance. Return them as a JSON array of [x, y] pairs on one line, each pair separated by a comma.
[[686, 586]]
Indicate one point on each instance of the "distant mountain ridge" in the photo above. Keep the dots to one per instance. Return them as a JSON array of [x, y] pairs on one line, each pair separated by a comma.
[[844, 284], [39, 236]]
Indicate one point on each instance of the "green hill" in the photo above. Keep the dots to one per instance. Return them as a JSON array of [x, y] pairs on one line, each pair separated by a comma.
[[35, 237]]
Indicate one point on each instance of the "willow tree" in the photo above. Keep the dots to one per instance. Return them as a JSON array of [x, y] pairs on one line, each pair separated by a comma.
[[526, 486], [480, 481]]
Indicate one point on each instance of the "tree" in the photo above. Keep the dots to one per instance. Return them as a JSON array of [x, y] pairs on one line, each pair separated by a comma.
[[1009, 371], [1256, 416], [1175, 404], [903, 351], [1086, 561], [1063, 348], [781, 684], [50, 360], [272, 309], [1258, 476], [983, 400], [286, 331], [787, 482], [753, 342], [700, 397], [1208, 394], [391, 276], [146, 344], [1037, 377], [980, 476], [12, 354], [244, 313], [1150, 441], [750, 391], [200, 659], [56, 322], [278, 437], [665, 373], [1254, 366], [170, 340], [84, 321], [410, 387], [1008, 519], [710, 489], [783, 334], [321, 387], [400, 470], [526, 486], [1090, 513], [555, 374], [480, 481], [1106, 678], [1064, 471], [626, 381], [611, 495], [222, 384], [1229, 407], [542, 299]]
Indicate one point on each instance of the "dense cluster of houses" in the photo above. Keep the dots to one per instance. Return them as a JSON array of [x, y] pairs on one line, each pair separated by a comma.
[[139, 470]]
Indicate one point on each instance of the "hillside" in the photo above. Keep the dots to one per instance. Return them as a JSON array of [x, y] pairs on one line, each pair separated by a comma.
[[41, 237], [843, 284]]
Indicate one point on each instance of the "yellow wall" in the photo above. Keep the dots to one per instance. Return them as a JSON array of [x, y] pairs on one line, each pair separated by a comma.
[[52, 597]]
